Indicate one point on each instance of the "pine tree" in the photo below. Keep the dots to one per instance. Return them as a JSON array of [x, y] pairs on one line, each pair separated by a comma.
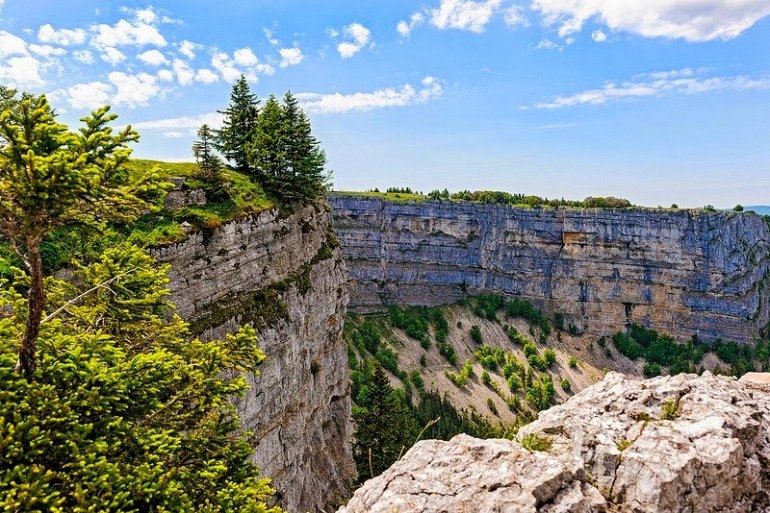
[[267, 150], [305, 160], [239, 125], [52, 178], [384, 427], [126, 412], [286, 157], [209, 164]]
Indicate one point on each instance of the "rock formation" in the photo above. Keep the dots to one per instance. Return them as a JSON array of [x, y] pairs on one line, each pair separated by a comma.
[[681, 272], [671, 444], [282, 271]]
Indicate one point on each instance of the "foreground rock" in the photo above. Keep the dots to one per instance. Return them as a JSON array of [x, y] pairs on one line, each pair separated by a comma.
[[671, 444]]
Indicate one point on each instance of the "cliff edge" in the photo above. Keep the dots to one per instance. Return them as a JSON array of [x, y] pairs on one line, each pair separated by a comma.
[[681, 443], [282, 271]]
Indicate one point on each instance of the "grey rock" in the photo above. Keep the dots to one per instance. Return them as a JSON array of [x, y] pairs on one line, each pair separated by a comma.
[[671, 444], [682, 272], [299, 405]]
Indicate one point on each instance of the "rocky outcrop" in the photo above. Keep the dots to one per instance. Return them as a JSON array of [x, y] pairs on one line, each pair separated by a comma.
[[679, 271], [281, 271], [671, 444]]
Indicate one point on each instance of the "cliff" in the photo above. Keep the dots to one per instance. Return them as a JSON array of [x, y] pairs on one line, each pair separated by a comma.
[[283, 272], [672, 444], [679, 271]]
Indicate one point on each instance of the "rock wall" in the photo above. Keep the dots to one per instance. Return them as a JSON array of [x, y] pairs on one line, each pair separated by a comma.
[[680, 444], [679, 271], [283, 272]]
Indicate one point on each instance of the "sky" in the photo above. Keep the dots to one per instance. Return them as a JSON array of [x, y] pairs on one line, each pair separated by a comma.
[[656, 101]]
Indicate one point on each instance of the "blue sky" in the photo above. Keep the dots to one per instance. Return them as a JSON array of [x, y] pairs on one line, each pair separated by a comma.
[[657, 101]]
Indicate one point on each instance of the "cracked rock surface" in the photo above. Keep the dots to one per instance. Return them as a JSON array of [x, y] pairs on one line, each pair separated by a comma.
[[681, 443]]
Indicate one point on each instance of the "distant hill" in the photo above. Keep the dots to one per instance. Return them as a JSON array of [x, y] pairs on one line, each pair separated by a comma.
[[763, 210]]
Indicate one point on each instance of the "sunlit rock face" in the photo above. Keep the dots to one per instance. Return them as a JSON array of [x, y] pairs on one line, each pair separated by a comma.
[[282, 272], [671, 444], [678, 271]]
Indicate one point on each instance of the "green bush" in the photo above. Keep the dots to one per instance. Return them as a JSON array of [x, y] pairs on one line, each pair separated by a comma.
[[476, 334]]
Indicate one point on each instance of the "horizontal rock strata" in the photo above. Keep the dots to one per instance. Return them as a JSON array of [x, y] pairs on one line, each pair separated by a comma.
[[679, 271]]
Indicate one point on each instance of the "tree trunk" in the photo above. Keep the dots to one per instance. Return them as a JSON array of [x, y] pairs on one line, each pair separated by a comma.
[[28, 346]]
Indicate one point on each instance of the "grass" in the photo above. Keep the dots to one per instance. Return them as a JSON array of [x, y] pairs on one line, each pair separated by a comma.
[[242, 196], [535, 442]]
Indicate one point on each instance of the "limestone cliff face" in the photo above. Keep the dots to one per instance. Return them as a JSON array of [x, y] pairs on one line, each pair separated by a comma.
[[283, 272], [681, 272], [672, 444]]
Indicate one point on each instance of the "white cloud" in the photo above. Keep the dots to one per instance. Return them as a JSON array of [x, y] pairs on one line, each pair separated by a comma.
[[166, 75], [84, 56], [685, 81], [188, 48], [338, 103], [63, 37], [513, 16], [405, 28], [245, 57], [145, 15], [270, 37], [88, 96], [547, 44], [133, 90], [152, 58], [11, 45], [125, 33], [174, 134], [222, 63], [47, 50], [598, 36], [191, 123], [691, 20], [243, 62], [464, 14], [113, 56], [290, 56], [21, 72], [184, 74], [358, 37], [206, 76]]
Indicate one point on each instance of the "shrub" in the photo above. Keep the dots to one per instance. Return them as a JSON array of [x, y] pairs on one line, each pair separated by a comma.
[[476, 334]]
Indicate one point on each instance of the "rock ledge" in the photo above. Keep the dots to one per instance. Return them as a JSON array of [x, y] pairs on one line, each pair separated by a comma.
[[671, 444]]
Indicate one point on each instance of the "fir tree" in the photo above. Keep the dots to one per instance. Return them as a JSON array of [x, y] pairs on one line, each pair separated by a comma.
[[209, 164], [52, 178], [239, 125], [384, 427], [286, 157]]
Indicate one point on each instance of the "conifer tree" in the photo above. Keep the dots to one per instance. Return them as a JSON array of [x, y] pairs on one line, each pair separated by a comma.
[[209, 164], [239, 125], [51, 178], [384, 428], [286, 157], [305, 160], [267, 150]]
